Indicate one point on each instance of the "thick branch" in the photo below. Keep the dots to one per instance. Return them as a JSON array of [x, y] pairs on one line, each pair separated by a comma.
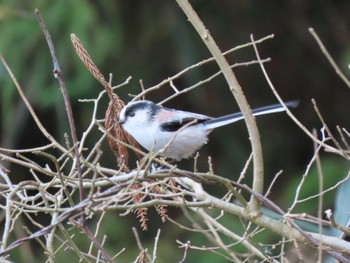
[[258, 179]]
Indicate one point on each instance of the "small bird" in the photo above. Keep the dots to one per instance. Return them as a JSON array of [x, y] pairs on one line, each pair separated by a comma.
[[174, 133]]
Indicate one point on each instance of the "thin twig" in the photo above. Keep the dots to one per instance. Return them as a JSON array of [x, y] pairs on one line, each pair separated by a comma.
[[329, 57], [325, 126], [290, 114], [30, 108], [203, 62], [268, 191], [58, 74], [154, 254], [202, 82], [186, 247], [320, 199]]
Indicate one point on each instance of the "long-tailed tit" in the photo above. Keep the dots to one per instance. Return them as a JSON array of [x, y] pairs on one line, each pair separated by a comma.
[[174, 133]]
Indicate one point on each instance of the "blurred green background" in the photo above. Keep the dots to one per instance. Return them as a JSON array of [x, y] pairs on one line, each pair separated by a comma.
[[152, 40]]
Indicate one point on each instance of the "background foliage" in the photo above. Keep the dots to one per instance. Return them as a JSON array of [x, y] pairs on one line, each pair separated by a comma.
[[151, 40]]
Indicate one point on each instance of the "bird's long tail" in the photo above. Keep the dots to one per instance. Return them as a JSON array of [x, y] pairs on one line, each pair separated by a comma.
[[231, 118]]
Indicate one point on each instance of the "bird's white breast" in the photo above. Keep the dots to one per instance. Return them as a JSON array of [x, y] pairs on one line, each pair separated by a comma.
[[177, 145]]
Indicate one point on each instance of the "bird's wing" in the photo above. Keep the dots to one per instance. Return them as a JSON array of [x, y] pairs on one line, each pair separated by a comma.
[[175, 119]]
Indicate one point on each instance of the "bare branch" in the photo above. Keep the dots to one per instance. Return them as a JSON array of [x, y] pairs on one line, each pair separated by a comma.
[[329, 57], [58, 74], [258, 176]]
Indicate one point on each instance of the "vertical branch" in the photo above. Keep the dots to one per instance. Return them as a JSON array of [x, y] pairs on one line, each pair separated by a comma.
[[258, 177], [320, 199], [58, 74]]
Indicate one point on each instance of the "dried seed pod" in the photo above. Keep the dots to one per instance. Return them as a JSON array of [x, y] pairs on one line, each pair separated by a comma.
[[116, 133]]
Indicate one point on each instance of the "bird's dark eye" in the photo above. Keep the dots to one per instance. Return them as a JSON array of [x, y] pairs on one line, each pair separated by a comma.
[[131, 114]]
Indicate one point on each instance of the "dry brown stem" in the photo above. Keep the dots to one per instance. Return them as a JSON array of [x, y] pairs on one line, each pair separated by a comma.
[[114, 108]]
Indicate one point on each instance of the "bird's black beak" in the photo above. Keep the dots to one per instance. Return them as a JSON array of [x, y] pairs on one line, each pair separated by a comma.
[[121, 122]]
